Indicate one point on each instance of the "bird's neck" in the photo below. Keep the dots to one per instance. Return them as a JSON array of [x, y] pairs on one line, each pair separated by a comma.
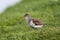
[[28, 19]]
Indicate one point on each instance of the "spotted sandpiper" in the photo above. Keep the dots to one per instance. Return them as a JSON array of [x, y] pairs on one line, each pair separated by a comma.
[[34, 23]]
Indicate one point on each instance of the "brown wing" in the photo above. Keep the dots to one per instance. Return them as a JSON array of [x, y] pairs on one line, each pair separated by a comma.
[[37, 22]]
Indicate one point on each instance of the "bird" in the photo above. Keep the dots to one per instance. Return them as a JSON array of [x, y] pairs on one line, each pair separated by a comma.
[[34, 23]]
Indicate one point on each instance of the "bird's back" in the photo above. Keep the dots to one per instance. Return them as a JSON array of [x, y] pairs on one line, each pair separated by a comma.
[[37, 22]]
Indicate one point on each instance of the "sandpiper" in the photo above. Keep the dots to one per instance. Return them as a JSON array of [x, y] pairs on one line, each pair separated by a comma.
[[34, 23]]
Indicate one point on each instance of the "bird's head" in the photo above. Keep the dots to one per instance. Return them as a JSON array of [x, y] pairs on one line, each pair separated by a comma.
[[26, 15]]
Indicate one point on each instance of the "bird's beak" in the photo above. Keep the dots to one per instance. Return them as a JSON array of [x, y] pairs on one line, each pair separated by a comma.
[[24, 16], [21, 17]]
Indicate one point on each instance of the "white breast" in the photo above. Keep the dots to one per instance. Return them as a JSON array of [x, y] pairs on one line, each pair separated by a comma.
[[35, 26]]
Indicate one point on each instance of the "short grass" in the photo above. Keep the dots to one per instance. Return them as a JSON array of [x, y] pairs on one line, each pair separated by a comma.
[[13, 27]]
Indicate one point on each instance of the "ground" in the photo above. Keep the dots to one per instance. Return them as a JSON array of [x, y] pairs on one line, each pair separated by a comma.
[[13, 26]]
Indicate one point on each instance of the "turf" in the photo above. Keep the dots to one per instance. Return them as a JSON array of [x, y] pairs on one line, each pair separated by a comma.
[[14, 27]]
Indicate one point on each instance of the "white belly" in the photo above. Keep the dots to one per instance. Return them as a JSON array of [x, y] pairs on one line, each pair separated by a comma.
[[35, 26]]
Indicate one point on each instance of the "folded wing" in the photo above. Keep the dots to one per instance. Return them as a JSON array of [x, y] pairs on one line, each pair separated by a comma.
[[37, 22]]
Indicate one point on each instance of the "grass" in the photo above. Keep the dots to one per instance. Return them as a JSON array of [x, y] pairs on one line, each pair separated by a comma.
[[13, 27]]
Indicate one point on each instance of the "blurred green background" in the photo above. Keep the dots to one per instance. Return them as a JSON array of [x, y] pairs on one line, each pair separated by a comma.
[[13, 27]]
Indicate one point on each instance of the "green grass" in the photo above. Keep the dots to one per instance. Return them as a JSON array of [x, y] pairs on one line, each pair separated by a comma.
[[13, 27]]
